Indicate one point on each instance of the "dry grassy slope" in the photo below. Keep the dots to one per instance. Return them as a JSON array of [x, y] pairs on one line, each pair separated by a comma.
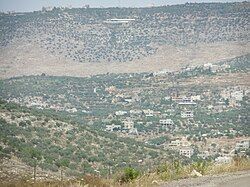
[[27, 58], [224, 79], [15, 170]]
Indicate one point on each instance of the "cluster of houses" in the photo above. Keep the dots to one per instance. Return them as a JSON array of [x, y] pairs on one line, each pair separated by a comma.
[[182, 146], [136, 112], [127, 126], [234, 95], [128, 119], [240, 148], [41, 103], [186, 105], [215, 67], [186, 148]]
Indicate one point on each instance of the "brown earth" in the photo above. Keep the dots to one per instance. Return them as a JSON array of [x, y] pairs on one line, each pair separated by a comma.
[[22, 58]]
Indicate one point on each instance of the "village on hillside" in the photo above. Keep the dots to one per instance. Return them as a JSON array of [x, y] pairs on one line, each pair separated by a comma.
[[170, 110]]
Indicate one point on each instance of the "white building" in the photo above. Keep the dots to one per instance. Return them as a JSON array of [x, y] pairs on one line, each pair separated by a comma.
[[237, 95], [186, 101], [113, 127], [162, 72], [117, 21], [196, 97], [133, 131], [148, 113], [167, 122], [179, 143], [128, 124], [135, 112], [120, 113], [71, 110], [204, 154], [213, 68], [186, 151], [187, 114], [175, 143], [223, 160], [234, 93], [242, 145]]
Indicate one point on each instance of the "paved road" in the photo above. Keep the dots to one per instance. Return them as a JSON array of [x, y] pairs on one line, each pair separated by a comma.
[[238, 179], [241, 182]]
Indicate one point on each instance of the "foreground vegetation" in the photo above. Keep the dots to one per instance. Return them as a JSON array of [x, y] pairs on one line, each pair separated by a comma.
[[131, 177]]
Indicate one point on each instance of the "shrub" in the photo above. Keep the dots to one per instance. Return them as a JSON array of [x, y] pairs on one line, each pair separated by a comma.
[[129, 174], [22, 124], [200, 166], [172, 171]]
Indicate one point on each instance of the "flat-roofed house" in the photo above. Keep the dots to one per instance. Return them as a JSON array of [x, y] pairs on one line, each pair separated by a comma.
[[186, 151], [128, 124], [187, 114]]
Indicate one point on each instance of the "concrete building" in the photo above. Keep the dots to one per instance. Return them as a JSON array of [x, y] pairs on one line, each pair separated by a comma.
[[133, 131], [186, 101], [175, 143], [187, 114], [186, 151], [196, 97], [167, 123], [204, 154], [120, 113], [148, 113], [237, 95], [128, 124], [113, 127], [223, 160], [135, 112], [179, 143], [242, 145]]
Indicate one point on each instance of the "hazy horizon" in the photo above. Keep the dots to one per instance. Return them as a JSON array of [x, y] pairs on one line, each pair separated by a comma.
[[31, 5]]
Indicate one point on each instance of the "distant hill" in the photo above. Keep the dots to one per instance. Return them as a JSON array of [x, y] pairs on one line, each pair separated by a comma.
[[121, 39]]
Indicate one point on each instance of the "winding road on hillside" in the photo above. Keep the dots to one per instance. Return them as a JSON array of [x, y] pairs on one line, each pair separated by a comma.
[[238, 179]]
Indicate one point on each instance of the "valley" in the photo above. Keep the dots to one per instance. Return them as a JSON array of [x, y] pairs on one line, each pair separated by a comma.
[[124, 96]]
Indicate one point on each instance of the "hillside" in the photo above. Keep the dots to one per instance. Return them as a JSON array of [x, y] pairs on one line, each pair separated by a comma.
[[218, 103], [81, 42], [29, 136], [124, 96]]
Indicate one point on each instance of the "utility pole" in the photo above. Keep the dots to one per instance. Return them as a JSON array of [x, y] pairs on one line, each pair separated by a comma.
[[35, 166], [61, 173]]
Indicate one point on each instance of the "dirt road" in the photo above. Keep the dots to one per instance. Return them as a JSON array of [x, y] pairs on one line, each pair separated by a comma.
[[238, 179]]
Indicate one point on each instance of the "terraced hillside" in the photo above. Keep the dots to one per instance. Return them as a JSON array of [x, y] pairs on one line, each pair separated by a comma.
[[79, 42]]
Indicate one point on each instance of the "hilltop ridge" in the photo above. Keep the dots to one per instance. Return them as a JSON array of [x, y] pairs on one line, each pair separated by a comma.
[[82, 42]]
